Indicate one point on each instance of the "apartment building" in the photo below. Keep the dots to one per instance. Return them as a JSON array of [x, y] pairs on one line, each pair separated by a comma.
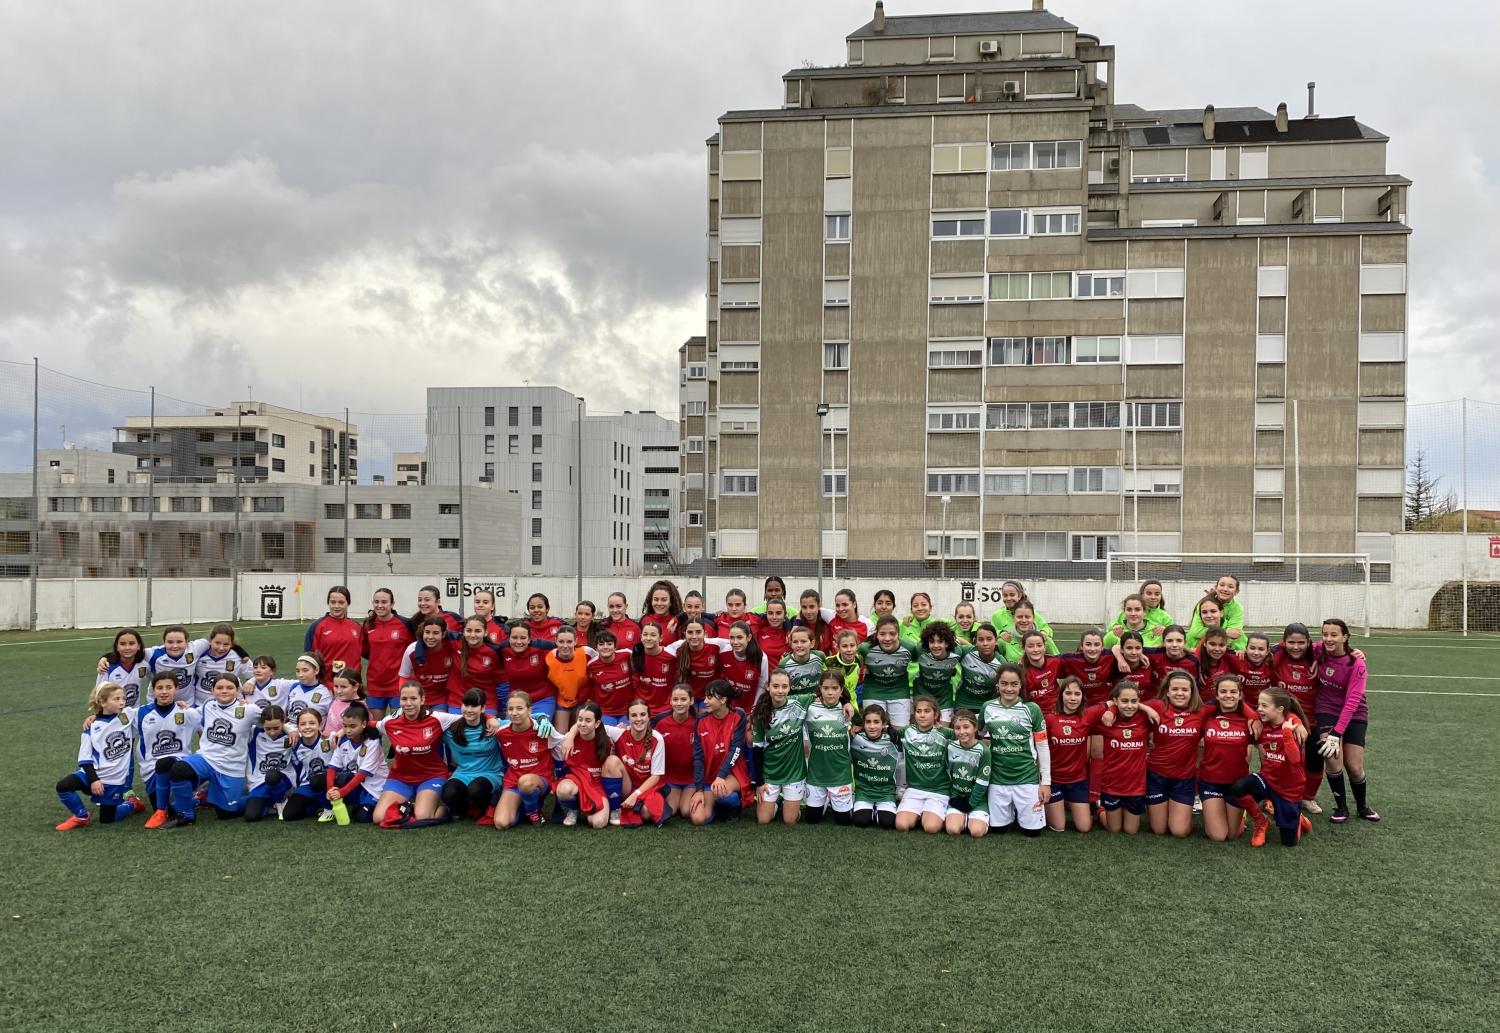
[[254, 440], [409, 468], [99, 520], [533, 442], [660, 469], [965, 306]]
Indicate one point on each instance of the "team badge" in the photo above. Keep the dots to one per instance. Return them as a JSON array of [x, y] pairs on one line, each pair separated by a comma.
[[1178, 722], [239, 711], [271, 692], [1224, 725], [1126, 734], [187, 657], [1067, 729], [179, 717], [363, 748], [338, 665]]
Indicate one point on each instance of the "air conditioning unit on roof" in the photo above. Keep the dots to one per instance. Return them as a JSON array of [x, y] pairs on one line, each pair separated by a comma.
[[989, 46]]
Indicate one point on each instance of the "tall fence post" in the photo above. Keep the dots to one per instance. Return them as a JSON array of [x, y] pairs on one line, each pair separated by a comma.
[[151, 508], [458, 435], [344, 473], [1463, 444], [578, 498], [36, 493]]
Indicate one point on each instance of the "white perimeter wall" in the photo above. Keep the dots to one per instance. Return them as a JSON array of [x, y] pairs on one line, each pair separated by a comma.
[[1421, 564]]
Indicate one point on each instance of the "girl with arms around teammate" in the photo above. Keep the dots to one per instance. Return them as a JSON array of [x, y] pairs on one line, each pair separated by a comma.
[[106, 763], [221, 759], [478, 768], [164, 733], [1281, 776], [1068, 741], [678, 728], [593, 777], [528, 747], [777, 723], [643, 752], [414, 785], [356, 773], [1225, 760], [430, 604], [1118, 750]]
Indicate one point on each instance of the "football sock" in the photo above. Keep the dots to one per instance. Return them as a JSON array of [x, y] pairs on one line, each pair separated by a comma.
[[1359, 793], [1337, 788], [614, 791]]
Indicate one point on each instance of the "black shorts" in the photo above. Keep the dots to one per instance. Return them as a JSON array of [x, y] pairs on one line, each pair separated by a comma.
[[1354, 735], [959, 804]]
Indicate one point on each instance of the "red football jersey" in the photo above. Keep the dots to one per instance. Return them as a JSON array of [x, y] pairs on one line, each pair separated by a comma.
[[1226, 741], [1161, 665], [480, 670], [497, 633], [626, 631], [830, 634], [655, 679], [703, 667], [1068, 739], [741, 673], [1208, 670], [1098, 676], [586, 756], [678, 738], [419, 748], [1143, 677], [1122, 770], [642, 757], [546, 628], [1041, 682], [525, 752], [772, 641], [385, 644], [668, 624], [1281, 762], [1257, 678], [1299, 677], [720, 749], [526, 672], [612, 683], [434, 670], [1174, 741], [340, 640]]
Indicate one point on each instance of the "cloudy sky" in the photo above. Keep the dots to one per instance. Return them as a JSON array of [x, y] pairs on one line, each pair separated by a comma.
[[340, 203]]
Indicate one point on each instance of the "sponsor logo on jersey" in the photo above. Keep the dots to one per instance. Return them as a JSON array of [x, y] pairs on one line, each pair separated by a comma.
[[165, 743], [220, 732], [116, 746]]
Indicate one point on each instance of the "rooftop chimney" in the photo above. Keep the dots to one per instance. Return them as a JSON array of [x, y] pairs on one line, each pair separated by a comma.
[[879, 16], [1208, 122], [1312, 88], [1281, 117]]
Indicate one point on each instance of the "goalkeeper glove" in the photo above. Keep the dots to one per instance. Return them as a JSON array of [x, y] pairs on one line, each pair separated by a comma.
[[1331, 746]]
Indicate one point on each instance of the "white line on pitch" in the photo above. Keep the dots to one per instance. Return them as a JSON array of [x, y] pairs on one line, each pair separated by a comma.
[[1427, 692]]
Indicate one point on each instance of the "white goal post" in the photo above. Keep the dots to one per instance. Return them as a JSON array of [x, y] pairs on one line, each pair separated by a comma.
[[1275, 589]]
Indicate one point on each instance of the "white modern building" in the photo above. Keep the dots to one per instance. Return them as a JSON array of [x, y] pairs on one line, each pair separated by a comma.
[[660, 468], [533, 442], [257, 441]]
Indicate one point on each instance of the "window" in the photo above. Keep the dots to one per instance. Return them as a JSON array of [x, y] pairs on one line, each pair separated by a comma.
[[367, 511], [957, 224], [273, 545], [536, 527], [1047, 415], [207, 435], [836, 292], [401, 546], [1050, 222], [333, 546], [957, 157], [739, 482], [536, 555], [1049, 482], [536, 499], [1155, 283], [1096, 350], [1147, 351], [1270, 347], [1267, 545], [838, 162], [536, 415], [695, 518], [1255, 163], [1270, 415], [1382, 413], [312, 447], [536, 473], [1156, 415], [739, 230], [1386, 347], [1005, 482], [401, 511], [489, 415], [954, 355], [333, 511], [835, 354], [513, 444], [142, 505], [737, 419], [1057, 154], [1086, 547], [366, 546], [311, 471], [1026, 545], [536, 444], [67, 505], [739, 358], [1030, 286], [1382, 279], [104, 504], [1010, 157], [513, 416], [962, 546], [694, 446], [955, 288], [1270, 281], [1269, 481], [954, 419], [953, 482], [1007, 222], [278, 441], [221, 504], [1096, 415], [447, 543], [835, 483], [1153, 482], [1005, 416], [448, 509], [1028, 351], [836, 227], [1100, 285], [740, 294], [489, 444], [699, 408], [178, 504]]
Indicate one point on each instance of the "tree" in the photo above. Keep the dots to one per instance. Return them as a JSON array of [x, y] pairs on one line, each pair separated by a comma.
[[1425, 502]]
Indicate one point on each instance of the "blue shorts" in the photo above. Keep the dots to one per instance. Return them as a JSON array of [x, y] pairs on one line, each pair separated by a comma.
[[1215, 791], [1160, 789], [611, 721], [1133, 804], [1071, 792], [407, 790], [226, 792], [466, 777], [265, 791], [383, 702], [1288, 813], [682, 785], [111, 796], [726, 803], [542, 708]]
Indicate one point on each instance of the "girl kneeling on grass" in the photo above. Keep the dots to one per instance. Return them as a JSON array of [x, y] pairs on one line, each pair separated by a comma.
[[528, 746], [271, 765], [356, 774], [968, 777], [643, 752], [678, 728], [1281, 777], [1226, 760], [106, 763], [876, 754], [928, 788], [777, 723], [222, 757], [478, 768], [720, 773], [414, 787], [829, 785], [594, 778], [311, 754]]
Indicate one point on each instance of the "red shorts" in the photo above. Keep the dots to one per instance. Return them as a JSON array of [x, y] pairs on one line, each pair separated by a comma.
[[591, 797], [513, 778]]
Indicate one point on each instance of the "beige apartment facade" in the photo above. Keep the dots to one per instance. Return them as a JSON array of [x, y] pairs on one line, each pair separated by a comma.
[[965, 307]]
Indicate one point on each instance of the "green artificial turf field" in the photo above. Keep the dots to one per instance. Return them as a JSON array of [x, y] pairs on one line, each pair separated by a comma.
[[314, 927]]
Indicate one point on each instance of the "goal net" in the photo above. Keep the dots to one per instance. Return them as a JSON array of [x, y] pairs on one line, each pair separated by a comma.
[[1274, 590]]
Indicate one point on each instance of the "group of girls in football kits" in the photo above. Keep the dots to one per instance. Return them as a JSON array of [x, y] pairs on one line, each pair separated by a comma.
[[783, 711]]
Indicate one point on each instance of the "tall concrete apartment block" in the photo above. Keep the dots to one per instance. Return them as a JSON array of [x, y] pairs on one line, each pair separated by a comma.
[[533, 442], [1044, 323]]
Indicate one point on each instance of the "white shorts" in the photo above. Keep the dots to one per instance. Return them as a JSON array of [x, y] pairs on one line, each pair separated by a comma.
[[920, 801], [1020, 804], [978, 814], [840, 797], [791, 792], [898, 710], [883, 807]]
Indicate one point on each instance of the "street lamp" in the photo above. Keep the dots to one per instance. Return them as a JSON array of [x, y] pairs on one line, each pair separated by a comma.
[[234, 459], [818, 499], [943, 542]]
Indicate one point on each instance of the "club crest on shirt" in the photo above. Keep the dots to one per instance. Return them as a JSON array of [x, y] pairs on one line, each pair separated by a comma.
[[180, 717], [1178, 722], [1067, 729], [1125, 734], [239, 711], [1224, 725]]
